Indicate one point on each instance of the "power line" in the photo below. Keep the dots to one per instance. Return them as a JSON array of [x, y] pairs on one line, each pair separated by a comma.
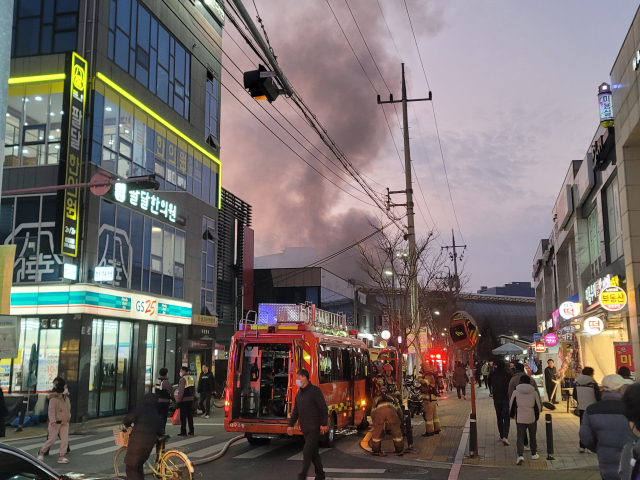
[[433, 109]]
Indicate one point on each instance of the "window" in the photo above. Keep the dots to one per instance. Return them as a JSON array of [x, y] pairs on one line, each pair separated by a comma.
[[130, 146], [28, 222], [18, 468], [325, 364], [41, 27], [33, 124], [209, 237], [142, 46], [161, 352], [148, 255], [614, 221], [211, 115], [594, 241]]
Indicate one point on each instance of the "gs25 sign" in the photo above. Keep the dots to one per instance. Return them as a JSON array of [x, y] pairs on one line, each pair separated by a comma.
[[144, 307]]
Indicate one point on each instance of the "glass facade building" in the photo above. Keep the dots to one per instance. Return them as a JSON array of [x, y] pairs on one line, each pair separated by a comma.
[[146, 105]]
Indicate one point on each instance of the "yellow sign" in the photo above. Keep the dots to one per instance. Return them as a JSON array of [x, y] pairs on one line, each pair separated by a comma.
[[7, 256], [613, 299], [71, 156], [205, 320]]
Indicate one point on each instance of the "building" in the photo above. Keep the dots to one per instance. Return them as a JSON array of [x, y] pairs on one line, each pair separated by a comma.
[[325, 290], [513, 289], [507, 315], [108, 289], [584, 255]]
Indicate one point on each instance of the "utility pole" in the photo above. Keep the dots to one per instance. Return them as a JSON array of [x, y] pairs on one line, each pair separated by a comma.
[[455, 281], [411, 232]]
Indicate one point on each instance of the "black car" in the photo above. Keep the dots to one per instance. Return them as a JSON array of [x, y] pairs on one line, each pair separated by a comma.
[[18, 465]]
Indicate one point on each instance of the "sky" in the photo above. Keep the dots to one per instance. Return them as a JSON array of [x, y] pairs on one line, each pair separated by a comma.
[[514, 87]]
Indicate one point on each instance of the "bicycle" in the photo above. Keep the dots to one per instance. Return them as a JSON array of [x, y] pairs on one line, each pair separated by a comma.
[[170, 464], [218, 400]]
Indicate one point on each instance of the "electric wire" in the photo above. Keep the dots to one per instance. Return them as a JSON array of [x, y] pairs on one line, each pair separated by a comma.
[[415, 40]]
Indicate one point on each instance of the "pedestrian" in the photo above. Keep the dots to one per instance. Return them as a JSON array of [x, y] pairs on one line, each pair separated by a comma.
[[163, 391], [550, 381], [147, 427], [310, 411], [586, 392], [477, 373], [186, 395], [499, 383], [605, 430], [512, 367], [625, 373], [485, 374], [460, 380], [46, 404], [58, 415], [429, 393], [390, 383], [525, 409], [630, 458], [206, 385], [4, 412]]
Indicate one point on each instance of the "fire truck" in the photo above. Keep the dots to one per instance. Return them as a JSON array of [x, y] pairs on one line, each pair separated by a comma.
[[265, 355]]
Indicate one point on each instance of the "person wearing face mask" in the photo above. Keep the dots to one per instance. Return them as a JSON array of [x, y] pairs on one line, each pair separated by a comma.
[[65, 393], [59, 415], [310, 410], [186, 394], [630, 459]]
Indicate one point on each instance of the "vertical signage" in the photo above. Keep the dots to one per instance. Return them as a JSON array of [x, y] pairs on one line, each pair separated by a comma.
[[71, 155], [606, 109]]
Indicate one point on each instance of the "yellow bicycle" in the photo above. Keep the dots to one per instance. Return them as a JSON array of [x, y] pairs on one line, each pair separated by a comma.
[[169, 464]]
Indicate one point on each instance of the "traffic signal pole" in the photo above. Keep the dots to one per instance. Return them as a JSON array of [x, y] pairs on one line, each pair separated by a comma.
[[411, 232]]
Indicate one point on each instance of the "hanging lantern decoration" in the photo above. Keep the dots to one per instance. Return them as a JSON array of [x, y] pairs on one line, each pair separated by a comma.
[[606, 105]]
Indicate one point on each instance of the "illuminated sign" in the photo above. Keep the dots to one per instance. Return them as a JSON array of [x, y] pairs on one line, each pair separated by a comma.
[[386, 334], [606, 109], [215, 8], [145, 201], [70, 271], [551, 340], [205, 320], [624, 355], [383, 344], [550, 323], [592, 292], [540, 348], [70, 169], [635, 62], [569, 310], [104, 274], [613, 299], [593, 326]]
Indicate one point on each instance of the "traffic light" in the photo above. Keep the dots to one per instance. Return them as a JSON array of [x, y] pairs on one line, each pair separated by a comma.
[[261, 84]]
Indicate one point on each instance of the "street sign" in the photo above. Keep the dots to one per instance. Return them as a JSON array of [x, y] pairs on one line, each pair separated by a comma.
[[463, 330], [537, 336]]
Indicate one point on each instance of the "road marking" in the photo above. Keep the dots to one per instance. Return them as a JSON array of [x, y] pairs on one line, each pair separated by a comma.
[[354, 470], [354, 478], [258, 451], [298, 456], [170, 445], [73, 439], [462, 447], [205, 452]]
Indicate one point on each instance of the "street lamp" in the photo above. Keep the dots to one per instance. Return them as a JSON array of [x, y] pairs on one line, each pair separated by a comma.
[[388, 273], [515, 335], [436, 312]]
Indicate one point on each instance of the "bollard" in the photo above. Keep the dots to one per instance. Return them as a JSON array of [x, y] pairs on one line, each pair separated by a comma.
[[408, 428], [473, 437], [549, 423]]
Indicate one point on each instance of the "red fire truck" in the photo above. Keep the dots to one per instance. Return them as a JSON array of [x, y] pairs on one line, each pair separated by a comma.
[[265, 356]]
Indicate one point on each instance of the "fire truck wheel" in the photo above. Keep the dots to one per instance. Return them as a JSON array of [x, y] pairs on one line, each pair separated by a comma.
[[326, 440], [257, 441]]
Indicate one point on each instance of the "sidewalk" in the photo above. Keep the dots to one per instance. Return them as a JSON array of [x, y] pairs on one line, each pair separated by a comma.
[[454, 414]]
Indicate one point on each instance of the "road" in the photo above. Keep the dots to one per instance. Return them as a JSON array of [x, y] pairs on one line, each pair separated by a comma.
[[281, 459]]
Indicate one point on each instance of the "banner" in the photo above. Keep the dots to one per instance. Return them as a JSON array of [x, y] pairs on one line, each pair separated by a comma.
[[9, 336], [70, 170], [7, 257], [624, 355]]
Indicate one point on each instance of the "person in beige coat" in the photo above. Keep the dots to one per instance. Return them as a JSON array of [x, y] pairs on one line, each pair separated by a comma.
[[59, 415]]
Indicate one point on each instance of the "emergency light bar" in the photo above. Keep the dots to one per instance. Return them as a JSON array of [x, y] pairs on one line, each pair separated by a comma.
[[274, 314]]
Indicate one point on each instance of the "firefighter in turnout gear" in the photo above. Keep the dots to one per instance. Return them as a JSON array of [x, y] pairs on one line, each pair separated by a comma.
[[386, 411], [390, 383], [378, 378], [429, 391]]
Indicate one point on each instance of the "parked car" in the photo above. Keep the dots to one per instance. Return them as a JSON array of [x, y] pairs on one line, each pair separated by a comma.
[[16, 464]]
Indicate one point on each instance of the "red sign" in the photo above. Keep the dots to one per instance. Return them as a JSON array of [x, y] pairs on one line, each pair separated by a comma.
[[624, 355], [540, 348]]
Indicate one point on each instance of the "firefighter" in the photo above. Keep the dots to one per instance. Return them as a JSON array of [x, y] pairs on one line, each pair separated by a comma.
[[429, 391], [386, 412], [378, 378], [390, 383]]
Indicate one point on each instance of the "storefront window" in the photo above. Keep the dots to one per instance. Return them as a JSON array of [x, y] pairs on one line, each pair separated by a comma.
[[48, 358], [23, 373], [614, 221], [161, 341], [110, 367]]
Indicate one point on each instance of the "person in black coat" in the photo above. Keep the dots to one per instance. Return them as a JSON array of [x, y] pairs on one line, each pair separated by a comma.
[[147, 427], [499, 381], [310, 410], [3, 413]]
